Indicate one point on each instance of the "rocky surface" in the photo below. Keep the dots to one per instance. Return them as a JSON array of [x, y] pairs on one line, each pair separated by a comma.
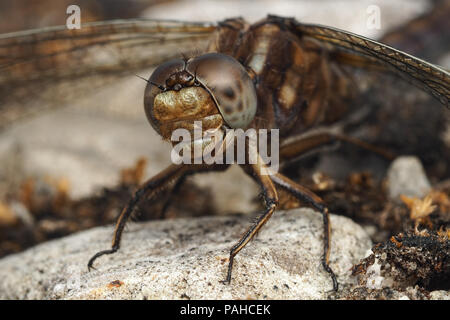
[[186, 258]]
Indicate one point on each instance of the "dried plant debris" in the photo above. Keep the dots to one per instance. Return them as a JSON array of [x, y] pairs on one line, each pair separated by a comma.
[[419, 212], [43, 210], [365, 200], [407, 260], [358, 196]]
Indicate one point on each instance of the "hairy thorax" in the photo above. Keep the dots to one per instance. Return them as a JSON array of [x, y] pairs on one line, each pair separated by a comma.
[[298, 85]]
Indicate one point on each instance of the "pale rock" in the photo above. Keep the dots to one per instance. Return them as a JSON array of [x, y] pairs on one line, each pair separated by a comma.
[[187, 258]]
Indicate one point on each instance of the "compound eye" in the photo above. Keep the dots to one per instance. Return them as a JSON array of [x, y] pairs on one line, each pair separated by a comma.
[[158, 79], [166, 70], [229, 84]]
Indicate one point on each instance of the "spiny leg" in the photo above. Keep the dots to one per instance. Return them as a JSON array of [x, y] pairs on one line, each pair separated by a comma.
[[157, 182], [307, 196], [270, 196]]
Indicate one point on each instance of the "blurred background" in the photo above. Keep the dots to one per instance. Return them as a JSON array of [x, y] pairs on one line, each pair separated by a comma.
[[350, 15]]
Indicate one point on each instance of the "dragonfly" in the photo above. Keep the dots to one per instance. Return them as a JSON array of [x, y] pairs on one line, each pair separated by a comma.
[[281, 73]]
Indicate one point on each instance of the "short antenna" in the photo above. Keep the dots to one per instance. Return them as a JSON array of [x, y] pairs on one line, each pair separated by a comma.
[[152, 83]]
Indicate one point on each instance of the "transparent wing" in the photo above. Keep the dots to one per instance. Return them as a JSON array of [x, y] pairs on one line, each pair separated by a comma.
[[426, 76], [42, 68]]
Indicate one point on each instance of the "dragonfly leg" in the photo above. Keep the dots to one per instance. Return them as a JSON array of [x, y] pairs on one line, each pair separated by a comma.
[[157, 182], [305, 195], [270, 197], [302, 145]]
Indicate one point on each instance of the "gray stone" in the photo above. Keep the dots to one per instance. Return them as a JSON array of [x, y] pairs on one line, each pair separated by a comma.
[[406, 176], [183, 258]]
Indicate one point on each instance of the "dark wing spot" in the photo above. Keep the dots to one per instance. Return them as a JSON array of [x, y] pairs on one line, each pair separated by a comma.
[[240, 106]]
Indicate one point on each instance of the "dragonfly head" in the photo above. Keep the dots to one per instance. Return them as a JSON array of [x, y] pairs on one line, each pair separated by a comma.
[[212, 88]]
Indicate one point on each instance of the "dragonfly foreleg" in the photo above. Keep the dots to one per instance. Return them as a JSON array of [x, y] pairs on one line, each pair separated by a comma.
[[270, 197], [157, 182]]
